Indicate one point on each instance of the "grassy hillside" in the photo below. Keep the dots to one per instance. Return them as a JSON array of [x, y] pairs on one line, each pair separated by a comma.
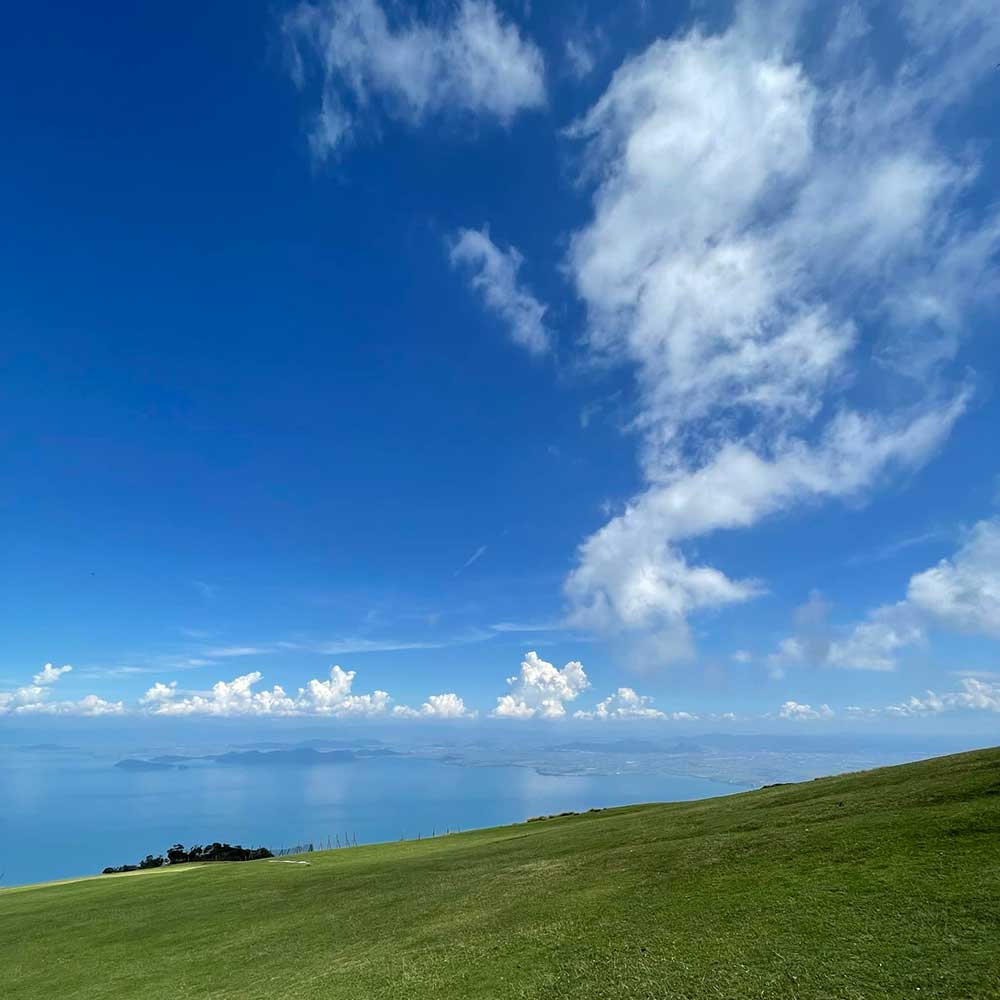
[[876, 885]]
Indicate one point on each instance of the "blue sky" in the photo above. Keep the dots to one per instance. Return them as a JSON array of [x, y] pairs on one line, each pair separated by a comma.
[[416, 338]]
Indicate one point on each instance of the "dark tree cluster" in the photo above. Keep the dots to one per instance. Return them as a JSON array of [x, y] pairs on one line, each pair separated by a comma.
[[178, 855]]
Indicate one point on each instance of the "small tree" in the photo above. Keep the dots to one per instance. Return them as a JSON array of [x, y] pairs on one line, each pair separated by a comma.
[[176, 855]]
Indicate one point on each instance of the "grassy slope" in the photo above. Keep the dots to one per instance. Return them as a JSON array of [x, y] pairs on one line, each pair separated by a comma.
[[783, 892]]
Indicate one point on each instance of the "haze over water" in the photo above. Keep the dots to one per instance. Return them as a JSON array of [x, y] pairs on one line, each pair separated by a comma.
[[67, 814]]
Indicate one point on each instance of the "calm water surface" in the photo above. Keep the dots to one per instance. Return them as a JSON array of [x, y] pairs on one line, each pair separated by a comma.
[[63, 815]]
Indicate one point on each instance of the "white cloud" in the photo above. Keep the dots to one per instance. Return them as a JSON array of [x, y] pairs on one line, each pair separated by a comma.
[[226, 698], [239, 697], [750, 216], [629, 575], [804, 713], [579, 56], [11, 701], [954, 45], [50, 674], [333, 697], [437, 706], [688, 137], [159, 693], [973, 694], [930, 705], [475, 63], [493, 272], [872, 644], [540, 689], [625, 703], [852, 25], [961, 594], [789, 652], [446, 706], [33, 699], [89, 705], [857, 712], [742, 656], [977, 694], [811, 642]]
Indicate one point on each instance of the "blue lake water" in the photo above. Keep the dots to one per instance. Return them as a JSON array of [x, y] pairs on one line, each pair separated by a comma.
[[63, 815]]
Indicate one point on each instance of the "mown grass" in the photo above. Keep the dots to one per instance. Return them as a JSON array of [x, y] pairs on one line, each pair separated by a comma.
[[862, 887]]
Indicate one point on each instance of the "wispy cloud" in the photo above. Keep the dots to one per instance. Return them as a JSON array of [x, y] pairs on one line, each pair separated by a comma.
[[528, 627], [891, 549], [198, 657], [96, 673], [143, 665], [339, 647], [224, 652], [584, 46], [579, 57], [475, 63], [750, 214], [475, 557], [493, 273], [959, 594], [196, 633]]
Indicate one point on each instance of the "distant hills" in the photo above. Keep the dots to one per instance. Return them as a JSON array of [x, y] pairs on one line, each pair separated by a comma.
[[629, 746], [134, 764], [279, 758], [298, 756]]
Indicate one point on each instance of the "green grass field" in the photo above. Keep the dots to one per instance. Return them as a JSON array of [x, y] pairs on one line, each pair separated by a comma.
[[875, 885]]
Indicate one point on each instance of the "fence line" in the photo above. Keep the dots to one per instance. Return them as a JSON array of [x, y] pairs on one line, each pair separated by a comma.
[[350, 839]]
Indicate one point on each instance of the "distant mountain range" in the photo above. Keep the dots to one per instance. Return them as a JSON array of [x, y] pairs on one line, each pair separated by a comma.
[[297, 756], [628, 746]]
